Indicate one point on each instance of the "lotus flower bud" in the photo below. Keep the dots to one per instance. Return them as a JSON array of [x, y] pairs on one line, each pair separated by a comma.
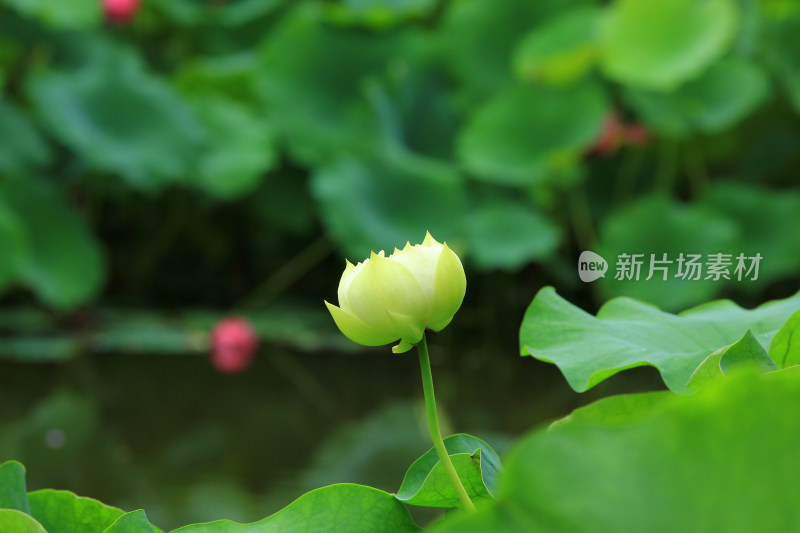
[[120, 11], [233, 345], [385, 299]]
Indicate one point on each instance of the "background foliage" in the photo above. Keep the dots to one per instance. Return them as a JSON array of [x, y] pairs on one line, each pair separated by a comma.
[[222, 157]]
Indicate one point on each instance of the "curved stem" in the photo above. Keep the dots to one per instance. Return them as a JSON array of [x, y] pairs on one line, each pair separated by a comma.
[[433, 426]]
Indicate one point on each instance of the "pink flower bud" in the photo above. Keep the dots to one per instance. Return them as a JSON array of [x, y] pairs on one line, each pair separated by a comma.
[[233, 345], [120, 11]]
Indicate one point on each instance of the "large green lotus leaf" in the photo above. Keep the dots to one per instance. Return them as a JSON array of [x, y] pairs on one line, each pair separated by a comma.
[[477, 39], [22, 146], [64, 263], [560, 51], [706, 104], [61, 511], [427, 483], [746, 353], [785, 345], [527, 133], [315, 94], [133, 522], [13, 493], [13, 521], [720, 460], [627, 333], [343, 507], [241, 148], [75, 14], [621, 408], [656, 225], [366, 204], [659, 44], [119, 118], [768, 222], [378, 13], [506, 233]]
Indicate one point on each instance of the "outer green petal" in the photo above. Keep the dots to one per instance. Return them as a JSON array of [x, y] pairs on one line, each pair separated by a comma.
[[357, 331], [403, 347], [344, 283], [384, 285], [411, 328], [439, 325], [449, 288]]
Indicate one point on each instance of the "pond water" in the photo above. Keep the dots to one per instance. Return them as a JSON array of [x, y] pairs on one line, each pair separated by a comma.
[[172, 435]]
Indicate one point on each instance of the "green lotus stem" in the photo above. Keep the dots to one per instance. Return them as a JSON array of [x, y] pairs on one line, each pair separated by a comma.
[[433, 426]]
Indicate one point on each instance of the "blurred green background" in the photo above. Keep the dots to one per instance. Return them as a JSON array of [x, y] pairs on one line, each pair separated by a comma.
[[208, 158]]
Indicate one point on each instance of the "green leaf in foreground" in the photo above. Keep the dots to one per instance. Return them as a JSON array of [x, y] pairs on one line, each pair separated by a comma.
[[746, 352], [13, 521], [785, 346], [133, 522], [61, 511], [627, 333], [426, 483], [621, 408], [343, 507], [713, 461], [13, 492]]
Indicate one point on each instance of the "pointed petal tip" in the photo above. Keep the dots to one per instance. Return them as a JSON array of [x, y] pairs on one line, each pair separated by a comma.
[[376, 257], [402, 347], [429, 240]]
